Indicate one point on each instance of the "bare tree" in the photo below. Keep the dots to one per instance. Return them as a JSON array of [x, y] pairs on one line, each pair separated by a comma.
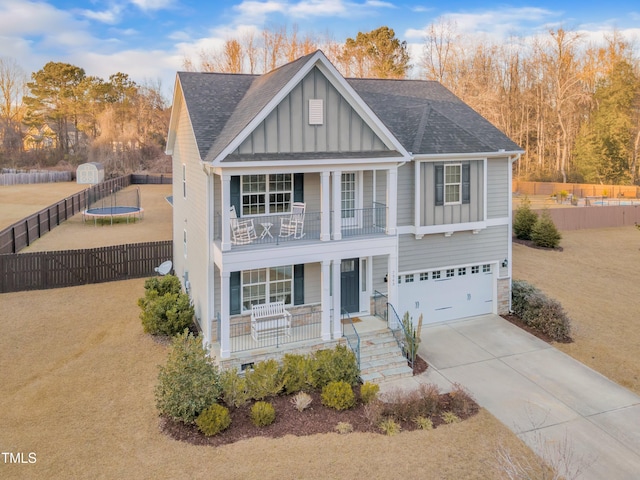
[[12, 84]]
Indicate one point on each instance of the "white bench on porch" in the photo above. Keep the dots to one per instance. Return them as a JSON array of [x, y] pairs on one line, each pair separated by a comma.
[[270, 319]]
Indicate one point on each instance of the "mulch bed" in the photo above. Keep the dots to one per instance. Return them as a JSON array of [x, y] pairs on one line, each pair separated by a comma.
[[530, 244], [289, 421]]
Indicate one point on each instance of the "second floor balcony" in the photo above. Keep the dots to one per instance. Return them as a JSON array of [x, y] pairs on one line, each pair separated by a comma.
[[301, 225]]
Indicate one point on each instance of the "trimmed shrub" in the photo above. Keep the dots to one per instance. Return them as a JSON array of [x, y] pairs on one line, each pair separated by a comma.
[[538, 311], [262, 414], [189, 382], [213, 420], [369, 392], [297, 372], [544, 233], [338, 395], [265, 380], [234, 388], [339, 364], [165, 309], [524, 220]]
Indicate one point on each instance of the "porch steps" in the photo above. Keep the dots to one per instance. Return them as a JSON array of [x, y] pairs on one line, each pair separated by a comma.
[[381, 359]]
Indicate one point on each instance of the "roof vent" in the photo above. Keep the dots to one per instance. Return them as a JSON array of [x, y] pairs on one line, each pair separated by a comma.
[[316, 113]]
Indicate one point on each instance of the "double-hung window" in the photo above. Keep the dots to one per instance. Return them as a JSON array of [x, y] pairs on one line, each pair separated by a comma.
[[266, 285], [266, 194], [452, 183]]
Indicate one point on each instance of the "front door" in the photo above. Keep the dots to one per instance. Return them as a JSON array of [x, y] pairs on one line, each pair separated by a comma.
[[349, 285]]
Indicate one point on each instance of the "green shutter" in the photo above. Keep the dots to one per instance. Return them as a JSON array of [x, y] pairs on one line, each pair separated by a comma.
[[298, 284], [234, 194], [466, 183], [235, 298], [439, 187], [298, 187]]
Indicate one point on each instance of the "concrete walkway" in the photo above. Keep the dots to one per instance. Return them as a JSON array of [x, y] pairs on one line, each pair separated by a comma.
[[570, 415]]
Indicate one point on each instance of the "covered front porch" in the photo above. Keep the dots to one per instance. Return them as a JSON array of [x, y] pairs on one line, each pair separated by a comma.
[[316, 295]]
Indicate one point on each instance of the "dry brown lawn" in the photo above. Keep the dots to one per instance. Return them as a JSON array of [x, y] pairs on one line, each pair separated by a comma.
[[77, 234], [595, 278], [20, 201], [77, 382]]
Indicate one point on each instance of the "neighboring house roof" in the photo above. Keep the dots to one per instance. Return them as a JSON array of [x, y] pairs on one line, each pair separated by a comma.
[[424, 116]]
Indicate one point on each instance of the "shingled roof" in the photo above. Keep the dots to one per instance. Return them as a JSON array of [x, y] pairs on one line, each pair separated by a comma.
[[424, 116]]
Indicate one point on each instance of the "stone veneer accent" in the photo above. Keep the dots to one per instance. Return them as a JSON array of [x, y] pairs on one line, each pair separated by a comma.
[[504, 295]]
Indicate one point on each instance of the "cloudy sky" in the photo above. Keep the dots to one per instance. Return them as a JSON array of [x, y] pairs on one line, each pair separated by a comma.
[[149, 39]]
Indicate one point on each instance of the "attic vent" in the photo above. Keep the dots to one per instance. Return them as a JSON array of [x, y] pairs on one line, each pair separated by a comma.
[[316, 116]]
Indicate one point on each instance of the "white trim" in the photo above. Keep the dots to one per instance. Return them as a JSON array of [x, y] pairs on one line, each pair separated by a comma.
[[465, 156], [292, 166]]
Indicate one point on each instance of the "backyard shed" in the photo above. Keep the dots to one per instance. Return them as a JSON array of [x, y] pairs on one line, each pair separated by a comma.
[[90, 173]]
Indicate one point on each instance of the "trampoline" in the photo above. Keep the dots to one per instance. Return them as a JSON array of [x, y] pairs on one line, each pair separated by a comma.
[[117, 205]]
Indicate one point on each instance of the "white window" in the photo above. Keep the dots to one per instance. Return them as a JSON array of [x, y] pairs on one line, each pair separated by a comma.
[[435, 275], [486, 268], [424, 276], [266, 194], [184, 242], [462, 271], [452, 184], [264, 285], [451, 272], [348, 196], [475, 269], [184, 181], [408, 278]]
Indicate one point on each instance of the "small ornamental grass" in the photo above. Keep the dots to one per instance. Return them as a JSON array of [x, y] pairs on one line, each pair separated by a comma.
[[423, 423], [344, 428], [262, 414], [390, 427], [213, 420], [450, 417], [301, 401], [338, 395]]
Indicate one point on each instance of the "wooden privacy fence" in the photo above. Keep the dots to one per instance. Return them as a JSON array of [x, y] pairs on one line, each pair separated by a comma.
[[43, 270], [20, 177], [577, 218], [580, 190], [24, 232]]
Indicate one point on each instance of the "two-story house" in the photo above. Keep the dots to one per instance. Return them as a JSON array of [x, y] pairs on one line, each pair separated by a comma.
[[327, 194]]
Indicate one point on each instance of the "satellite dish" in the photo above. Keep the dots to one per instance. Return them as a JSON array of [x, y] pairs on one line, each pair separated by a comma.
[[164, 268]]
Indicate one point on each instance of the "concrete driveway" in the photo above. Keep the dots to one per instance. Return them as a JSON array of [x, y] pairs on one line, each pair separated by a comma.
[[570, 415]]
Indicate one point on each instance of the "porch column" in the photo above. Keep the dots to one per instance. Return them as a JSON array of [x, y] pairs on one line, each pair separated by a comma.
[[325, 299], [325, 207], [336, 204], [225, 296], [392, 286], [392, 200], [225, 193], [337, 310]]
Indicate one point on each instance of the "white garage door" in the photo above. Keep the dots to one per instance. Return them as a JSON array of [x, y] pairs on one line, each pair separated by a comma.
[[447, 294]]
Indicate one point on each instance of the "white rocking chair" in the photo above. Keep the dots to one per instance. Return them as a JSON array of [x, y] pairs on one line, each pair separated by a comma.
[[293, 225], [243, 231]]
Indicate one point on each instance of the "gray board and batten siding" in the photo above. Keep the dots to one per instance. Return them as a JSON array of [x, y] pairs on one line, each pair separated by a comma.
[[286, 129]]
